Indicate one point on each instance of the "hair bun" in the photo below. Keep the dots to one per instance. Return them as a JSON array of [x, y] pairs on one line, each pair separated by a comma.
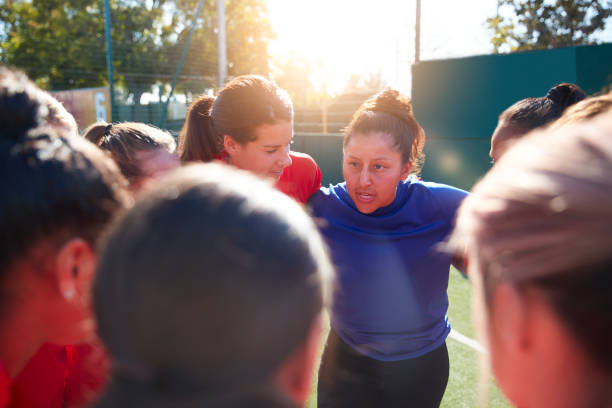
[[565, 94], [392, 102]]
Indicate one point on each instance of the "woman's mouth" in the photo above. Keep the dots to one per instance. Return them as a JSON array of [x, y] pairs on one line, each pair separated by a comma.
[[276, 174], [365, 197]]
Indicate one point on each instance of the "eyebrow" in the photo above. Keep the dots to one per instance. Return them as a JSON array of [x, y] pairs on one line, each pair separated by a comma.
[[376, 158], [276, 145]]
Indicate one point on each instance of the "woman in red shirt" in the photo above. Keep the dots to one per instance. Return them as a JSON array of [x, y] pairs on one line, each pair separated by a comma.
[[250, 125], [59, 191]]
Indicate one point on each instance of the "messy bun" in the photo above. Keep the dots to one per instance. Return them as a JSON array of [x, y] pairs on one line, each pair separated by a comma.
[[391, 113], [22, 105], [564, 95], [530, 113]]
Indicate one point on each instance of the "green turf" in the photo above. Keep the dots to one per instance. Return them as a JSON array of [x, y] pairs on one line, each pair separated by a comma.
[[462, 389]]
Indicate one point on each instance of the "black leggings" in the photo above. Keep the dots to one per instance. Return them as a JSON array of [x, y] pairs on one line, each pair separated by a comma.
[[350, 379]]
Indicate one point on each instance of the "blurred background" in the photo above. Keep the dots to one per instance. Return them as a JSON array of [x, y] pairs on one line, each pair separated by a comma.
[[146, 60]]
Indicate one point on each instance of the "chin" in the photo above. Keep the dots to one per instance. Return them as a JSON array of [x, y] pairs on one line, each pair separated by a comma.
[[366, 209]]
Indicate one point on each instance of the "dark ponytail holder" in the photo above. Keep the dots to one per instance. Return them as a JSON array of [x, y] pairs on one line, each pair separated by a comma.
[[108, 129]]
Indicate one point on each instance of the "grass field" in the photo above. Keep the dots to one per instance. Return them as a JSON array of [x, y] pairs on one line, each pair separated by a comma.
[[462, 389]]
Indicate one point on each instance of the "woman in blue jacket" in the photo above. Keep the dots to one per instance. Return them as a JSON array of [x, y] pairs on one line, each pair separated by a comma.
[[388, 322]]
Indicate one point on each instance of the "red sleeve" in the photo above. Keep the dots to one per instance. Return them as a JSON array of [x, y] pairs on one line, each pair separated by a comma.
[[302, 179], [5, 387]]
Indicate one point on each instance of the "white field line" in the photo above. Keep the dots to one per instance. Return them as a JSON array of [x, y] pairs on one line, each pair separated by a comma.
[[467, 341]]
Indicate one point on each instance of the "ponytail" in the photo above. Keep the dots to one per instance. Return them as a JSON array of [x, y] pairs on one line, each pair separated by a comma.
[[531, 113], [198, 140], [95, 133]]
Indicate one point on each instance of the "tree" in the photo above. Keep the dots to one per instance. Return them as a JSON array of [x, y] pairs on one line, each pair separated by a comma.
[[540, 24], [61, 43], [248, 32]]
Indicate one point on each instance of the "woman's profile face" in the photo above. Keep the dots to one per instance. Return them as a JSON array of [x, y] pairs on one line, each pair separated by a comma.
[[503, 137], [372, 168], [268, 154]]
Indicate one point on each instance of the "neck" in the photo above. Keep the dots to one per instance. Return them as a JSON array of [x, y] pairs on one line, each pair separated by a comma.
[[19, 338], [580, 389]]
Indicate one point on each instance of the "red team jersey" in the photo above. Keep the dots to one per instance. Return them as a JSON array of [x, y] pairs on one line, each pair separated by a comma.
[[5, 387], [302, 179], [60, 376]]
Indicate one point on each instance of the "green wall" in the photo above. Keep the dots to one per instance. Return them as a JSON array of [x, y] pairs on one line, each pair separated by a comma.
[[457, 101], [327, 152]]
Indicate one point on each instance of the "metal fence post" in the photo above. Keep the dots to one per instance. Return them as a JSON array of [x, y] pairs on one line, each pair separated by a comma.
[[109, 58]]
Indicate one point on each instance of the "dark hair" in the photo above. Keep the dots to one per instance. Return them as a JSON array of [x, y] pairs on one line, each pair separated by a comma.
[[54, 187], [217, 308], [584, 110], [198, 141], [530, 113], [243, 104], [391, 113], [124, 140], [22, 104]]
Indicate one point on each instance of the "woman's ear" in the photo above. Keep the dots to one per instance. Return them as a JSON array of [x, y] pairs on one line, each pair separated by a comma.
[[75, 269], [508, 318], [295, 375], [230, 145], [406, 170]]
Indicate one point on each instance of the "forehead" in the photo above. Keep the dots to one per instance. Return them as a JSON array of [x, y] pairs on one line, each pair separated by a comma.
[[371, 143], [278, 133]]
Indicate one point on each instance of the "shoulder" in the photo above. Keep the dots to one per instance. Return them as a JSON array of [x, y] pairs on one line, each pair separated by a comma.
[[439, 198], [327, 197], [303, 161], [445, 192]]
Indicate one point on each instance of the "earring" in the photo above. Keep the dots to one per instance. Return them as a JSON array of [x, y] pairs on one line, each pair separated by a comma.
[[69, 294]]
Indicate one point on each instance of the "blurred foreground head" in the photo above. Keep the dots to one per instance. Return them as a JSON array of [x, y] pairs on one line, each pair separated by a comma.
[[58, 193], [210, 292], [539, 234]]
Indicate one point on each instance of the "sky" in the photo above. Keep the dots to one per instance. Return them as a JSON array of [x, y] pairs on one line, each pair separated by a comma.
[[342, 37]]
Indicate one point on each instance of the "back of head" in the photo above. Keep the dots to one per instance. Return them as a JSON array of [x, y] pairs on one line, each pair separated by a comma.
[[530, 113], [391, 113], [542, 217], [241, 105], [205, 287], [55, 187], [55, 184], [128, 144]]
